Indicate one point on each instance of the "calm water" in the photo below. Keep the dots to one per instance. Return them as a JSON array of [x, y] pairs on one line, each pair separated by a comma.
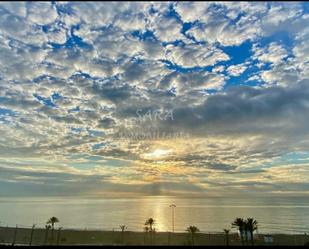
[[288, 215]]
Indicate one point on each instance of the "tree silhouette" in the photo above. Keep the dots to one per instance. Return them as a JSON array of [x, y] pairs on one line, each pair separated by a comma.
[[240, 223], [122, 227], [226, 231], [150, 222], [52, 221], [192, 230], [251, 226], [47, 227], [146, 229]]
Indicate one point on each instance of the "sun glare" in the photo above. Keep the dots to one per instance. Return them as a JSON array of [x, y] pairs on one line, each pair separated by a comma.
[[157, 154]]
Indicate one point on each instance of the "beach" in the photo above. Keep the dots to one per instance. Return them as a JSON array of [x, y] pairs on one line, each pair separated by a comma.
[[95, 237]]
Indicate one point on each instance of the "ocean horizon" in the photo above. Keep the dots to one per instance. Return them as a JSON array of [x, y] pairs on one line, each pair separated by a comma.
[[210, 215]]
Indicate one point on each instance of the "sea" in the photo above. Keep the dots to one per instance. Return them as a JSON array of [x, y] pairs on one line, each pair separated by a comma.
[[211, 215]]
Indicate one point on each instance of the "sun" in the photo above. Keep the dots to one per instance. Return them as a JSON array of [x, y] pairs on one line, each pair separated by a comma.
[[157, 154]]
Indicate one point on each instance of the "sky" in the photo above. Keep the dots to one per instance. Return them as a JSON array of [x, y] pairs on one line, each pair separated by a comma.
[[154, 98]]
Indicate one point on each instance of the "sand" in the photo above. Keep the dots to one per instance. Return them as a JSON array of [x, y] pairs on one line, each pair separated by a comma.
[[87, 237]]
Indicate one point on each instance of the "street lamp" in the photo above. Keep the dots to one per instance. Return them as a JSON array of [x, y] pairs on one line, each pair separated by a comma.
[[31, 236], [173, 222]]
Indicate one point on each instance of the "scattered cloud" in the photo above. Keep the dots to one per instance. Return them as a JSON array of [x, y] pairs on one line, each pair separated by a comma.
[[222, 87]]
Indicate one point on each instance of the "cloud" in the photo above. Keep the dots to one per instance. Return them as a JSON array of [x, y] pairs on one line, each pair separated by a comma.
[[236, 70], [221, 24], [246, 104], [197, 81], [106, 123], [195, 55], [167, 29], [73, 75], [191, 11], [274, 53], [41, 13]]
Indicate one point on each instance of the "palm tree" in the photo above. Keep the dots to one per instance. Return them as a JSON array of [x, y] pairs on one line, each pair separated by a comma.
[[240, 223], [192, 230], [122, 227], [251, 226], [150, 222], [226, 231], [52, 221]]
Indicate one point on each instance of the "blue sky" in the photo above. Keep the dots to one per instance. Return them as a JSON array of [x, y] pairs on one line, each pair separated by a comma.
[[234, 75]]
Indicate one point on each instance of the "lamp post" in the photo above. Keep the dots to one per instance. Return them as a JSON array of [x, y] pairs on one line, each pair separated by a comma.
[[31, 236], [173, 221], [15, 234]]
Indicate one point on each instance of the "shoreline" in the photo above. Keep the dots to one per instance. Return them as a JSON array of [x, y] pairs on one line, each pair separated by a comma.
[[100, 237]]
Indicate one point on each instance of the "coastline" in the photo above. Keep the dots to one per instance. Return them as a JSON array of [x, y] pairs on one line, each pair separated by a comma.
[[96, 237]]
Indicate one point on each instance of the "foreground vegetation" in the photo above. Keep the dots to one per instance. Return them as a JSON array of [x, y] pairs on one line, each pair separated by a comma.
[[150, 236], [84, 237]]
